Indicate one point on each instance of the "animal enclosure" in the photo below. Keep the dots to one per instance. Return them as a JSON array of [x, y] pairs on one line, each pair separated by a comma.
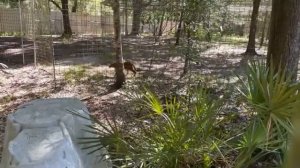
[[55, 50], [38, 25], [31, 35], [210, 41], [166, 42]]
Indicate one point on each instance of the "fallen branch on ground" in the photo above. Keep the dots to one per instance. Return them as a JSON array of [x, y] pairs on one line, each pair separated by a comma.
[[3, 66]]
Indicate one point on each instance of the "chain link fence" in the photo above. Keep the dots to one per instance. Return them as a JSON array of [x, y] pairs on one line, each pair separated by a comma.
[[38, 24]]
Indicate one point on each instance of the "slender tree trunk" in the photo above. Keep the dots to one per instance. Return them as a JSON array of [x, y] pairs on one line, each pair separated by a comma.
[[136, 22], [154, 28], [136, 17], [264, 29], [120, 76], [268, 31], [253, 26], [138, 7], [284, 44], [142, 27], [66, 19], [160, 31], [126, 16], [206, 26], [74, 8], [187, 55], [179, 29]]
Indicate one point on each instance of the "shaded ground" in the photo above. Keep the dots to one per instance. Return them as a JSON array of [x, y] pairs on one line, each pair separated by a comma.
[[160, 63]]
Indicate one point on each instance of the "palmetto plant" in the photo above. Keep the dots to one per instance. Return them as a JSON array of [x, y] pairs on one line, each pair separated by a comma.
[[177, 134], [274, 101], [181, 134], [107, 134]]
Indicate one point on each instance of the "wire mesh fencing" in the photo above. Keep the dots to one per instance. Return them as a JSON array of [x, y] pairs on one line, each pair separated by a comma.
[[147, 28]]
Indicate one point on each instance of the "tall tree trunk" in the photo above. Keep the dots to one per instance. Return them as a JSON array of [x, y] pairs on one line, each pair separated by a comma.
[[253, 26], [179, 29], [160, 31], [120, 76], [264, 29], [126, 16], [138, 7], [74, 8], [66, 20], [142, 27], [136, 18], [284, 44], [187, 55], [206, 26], [154, 28]]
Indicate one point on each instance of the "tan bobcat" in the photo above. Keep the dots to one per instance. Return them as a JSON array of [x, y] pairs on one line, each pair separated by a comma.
[[127, 65]]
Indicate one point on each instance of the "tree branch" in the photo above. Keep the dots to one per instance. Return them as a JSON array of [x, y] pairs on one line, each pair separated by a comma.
[[56, 4], [3, 66]]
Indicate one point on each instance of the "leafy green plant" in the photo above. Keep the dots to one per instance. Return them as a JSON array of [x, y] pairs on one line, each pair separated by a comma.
[[175, 134], [75, 75], [274, 100], [182, 134]]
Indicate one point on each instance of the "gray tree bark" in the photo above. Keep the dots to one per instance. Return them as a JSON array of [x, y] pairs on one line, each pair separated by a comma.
[[253, 26], [120, 76], [284, 44]]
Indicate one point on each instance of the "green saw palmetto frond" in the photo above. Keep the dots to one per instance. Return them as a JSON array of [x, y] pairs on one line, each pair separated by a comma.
[[275, 100]]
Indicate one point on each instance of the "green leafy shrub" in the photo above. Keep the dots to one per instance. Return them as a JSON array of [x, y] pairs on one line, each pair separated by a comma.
[[175, 134], [182, 133], [189, 131], [274, 100]]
